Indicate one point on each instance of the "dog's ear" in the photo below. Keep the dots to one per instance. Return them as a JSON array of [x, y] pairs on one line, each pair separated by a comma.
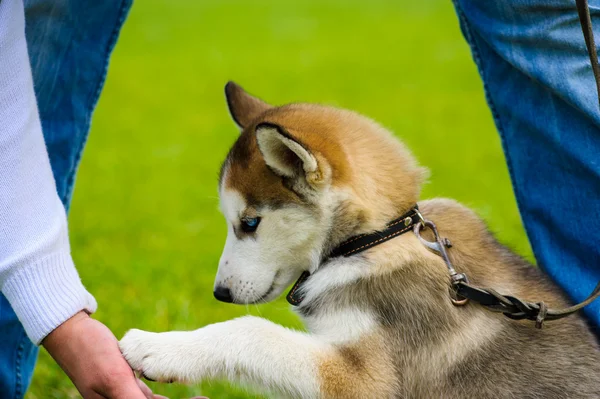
[[242, 106], [288, 157]]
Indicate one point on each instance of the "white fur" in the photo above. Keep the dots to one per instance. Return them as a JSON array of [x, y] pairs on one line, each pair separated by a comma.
[[343, 326], [455, 347], [335, 273], [260, 267], [477, 332], [231, 204], [343, 271], [273, 145], [249, 349]]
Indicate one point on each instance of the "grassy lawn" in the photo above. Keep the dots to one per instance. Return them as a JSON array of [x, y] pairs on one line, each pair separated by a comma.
[[145, 230]]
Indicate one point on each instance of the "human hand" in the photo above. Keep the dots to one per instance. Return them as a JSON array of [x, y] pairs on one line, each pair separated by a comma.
[[88, 353]]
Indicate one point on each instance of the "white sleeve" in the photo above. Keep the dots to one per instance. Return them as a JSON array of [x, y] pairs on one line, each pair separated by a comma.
[[37, 274]]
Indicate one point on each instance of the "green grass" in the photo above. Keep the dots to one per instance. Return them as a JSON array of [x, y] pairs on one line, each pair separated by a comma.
[[145, 230]]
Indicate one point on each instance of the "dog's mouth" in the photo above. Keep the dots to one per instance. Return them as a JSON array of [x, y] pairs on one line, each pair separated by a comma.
[[263, 297]]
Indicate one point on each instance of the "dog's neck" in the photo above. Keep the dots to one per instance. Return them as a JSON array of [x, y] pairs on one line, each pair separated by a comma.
[[337, 275], [352, 216]]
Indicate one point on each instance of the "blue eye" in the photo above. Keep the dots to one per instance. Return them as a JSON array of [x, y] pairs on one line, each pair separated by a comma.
[[250, 224]]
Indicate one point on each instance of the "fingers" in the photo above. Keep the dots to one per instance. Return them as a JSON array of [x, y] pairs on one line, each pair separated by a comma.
[[148, 392], [130, 392], [145, 390], [126, 386]]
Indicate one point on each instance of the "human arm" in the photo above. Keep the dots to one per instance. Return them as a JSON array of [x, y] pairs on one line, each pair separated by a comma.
[[37, 274]]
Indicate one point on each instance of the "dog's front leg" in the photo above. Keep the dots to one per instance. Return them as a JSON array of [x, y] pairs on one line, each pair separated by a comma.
[[248, 349]]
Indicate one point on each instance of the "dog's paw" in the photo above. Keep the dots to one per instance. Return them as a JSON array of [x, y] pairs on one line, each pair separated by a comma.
[[157, 356]]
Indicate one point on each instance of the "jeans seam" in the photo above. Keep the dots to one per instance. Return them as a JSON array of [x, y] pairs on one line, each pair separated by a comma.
[[479, 63], [93, 99], [18, 375]]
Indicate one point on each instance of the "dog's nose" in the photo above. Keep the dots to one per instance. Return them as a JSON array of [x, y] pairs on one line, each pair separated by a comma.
[[223, 294]]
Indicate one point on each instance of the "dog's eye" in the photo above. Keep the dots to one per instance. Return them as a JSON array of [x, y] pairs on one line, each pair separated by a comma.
[[250, 224]]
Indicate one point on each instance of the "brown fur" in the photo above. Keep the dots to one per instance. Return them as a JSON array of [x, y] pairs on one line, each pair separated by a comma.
[[425, 347], [357, 371], [381, 190], [243, 107], [334, 136]]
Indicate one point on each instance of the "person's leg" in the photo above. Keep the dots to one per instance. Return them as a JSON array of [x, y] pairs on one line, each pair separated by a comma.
[[539, 85], [69, 43], [17, 354]]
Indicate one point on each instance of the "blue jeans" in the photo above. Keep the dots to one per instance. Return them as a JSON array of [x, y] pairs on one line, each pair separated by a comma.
[[69, 43], [540, 88]]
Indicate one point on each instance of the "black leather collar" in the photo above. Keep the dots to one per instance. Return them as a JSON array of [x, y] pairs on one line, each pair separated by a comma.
[[360, 243]]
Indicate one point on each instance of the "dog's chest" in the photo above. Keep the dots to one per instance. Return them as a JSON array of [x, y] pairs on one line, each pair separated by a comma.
[[342, 325]]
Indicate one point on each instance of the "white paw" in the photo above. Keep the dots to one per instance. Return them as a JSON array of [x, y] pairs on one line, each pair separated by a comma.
[[156, 355]]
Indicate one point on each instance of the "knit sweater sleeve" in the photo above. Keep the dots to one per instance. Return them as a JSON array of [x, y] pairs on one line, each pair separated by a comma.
[[37, 274]]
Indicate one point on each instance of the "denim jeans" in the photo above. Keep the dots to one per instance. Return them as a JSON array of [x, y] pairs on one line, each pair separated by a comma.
[[539, 85], [69, 43]]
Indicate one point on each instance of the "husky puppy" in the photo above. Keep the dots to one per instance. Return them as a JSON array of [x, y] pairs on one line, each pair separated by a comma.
[[300, 180]]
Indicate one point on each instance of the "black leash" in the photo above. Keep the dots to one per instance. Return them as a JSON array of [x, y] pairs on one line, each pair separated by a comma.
[[510, 306], [585, 19], [517, 309]]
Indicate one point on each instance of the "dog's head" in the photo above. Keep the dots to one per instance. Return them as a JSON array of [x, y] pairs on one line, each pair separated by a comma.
[[299, 180]]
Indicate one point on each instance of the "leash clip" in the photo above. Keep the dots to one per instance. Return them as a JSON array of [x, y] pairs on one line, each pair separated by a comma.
[[439, 245]]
